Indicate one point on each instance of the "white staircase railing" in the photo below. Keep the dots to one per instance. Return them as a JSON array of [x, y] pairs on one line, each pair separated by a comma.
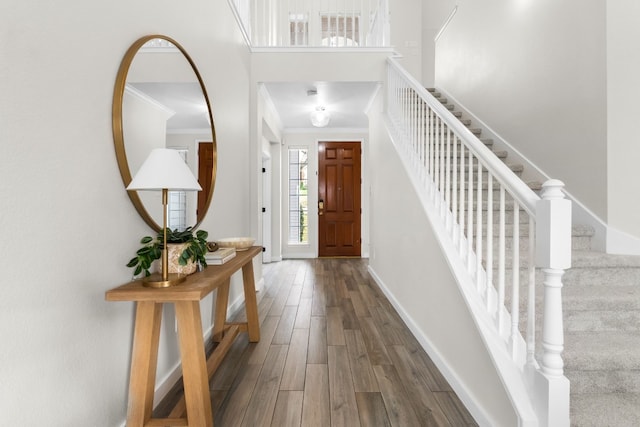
[[480, 202], [309, 23]]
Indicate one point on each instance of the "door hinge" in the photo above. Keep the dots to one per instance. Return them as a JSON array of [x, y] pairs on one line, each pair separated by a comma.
[[264, 249], [264, 210], [264, 170]]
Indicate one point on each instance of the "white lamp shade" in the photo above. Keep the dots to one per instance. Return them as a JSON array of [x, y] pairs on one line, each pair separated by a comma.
[[320, 117], [164, 168]]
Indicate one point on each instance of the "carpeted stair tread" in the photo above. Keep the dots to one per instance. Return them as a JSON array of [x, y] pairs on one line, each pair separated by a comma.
[[603, 320], [604, 297], [605, 410], [604, 381], [600, 350], [593, 259]]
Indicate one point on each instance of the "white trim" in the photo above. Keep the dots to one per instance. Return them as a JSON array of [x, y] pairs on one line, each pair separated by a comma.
[[146, 98], [446, 23], [621, 243], [322, 49], [324, 130], [270, 106], [372, 99], [190, 131], [245, 36], [299, 255]]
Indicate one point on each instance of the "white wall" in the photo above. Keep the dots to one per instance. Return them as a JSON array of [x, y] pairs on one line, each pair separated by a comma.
[[408, 261], [406, 33], [434, 16], [535, 72], [623, 109], [68, 226], [144, 127]]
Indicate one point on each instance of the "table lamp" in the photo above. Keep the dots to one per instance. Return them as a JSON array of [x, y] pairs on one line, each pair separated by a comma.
[[164, 170]]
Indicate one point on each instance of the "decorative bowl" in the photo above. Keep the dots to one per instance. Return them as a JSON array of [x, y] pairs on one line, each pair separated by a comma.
[[239, 243]]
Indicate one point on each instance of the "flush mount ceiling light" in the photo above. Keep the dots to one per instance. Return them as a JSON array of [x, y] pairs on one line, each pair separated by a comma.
[[320, 117]]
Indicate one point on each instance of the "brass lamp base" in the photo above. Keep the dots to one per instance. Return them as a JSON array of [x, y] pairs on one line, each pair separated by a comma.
[[156, 280]]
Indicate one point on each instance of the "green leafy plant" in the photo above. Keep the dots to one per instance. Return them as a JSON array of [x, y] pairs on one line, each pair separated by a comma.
[[151, 249]]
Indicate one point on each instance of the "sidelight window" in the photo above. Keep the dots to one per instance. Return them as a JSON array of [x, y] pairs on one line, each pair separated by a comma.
[[177, 204], [298, 196]]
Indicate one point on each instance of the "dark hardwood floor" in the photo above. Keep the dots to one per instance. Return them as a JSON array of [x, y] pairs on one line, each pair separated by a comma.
[[333, 352]]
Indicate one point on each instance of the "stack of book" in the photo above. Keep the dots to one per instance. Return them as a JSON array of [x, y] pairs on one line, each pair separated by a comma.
[[220, 256]]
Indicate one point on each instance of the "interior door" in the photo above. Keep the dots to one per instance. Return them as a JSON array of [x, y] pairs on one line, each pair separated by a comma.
[[205, 171], [339, 199]]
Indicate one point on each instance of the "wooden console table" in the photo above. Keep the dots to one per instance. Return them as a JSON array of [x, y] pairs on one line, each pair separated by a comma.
[[196, 368]]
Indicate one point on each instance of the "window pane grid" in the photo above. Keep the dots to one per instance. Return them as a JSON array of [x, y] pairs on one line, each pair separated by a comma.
[[298, 199]]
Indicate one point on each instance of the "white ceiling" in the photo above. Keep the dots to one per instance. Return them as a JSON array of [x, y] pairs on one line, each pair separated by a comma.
[[347, 102], [184, 99]]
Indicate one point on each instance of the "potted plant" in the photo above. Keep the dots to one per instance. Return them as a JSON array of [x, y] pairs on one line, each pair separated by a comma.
[[186, 247]]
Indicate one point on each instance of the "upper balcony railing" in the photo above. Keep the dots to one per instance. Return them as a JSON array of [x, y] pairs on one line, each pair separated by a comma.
[[312, 23]]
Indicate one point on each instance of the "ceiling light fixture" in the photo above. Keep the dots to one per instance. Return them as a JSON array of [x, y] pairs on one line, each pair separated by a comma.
[[320, 117]]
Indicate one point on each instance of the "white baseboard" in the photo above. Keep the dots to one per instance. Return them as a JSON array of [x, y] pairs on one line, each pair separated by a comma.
[[299, 255], [477, 412], [621, 243]]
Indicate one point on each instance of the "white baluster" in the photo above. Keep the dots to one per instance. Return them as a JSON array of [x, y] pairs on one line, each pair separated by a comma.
[[454, 195], [431, 143], [470, 216], [489, 264], [441, 179], [515, 283], [501, 262], [531, 299], [479, 229], [447, 183], [436, 161], [461, 217]]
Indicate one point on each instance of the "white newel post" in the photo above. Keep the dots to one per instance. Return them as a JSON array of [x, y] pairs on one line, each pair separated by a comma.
[[553, 256]]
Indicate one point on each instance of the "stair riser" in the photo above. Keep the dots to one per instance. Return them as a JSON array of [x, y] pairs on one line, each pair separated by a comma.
[[603, 276], [601, 321], [580, 243], [618, 291], [604, 381]]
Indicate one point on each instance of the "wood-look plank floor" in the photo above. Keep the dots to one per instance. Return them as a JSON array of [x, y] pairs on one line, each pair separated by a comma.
[[333, 352]]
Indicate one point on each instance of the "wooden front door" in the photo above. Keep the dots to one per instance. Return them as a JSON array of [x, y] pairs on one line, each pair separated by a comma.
[[339, 204], [205, 173]]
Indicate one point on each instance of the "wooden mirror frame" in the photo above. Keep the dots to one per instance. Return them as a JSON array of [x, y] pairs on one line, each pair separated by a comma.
[[118, 134]]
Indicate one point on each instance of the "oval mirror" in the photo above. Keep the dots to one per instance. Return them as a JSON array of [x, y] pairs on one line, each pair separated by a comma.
[[160, 100]]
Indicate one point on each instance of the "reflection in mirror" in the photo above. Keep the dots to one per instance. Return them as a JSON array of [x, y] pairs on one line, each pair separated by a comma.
[[160, 101]]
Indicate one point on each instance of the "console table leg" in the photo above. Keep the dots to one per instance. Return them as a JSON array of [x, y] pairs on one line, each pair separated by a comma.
[[144, 360], [194, 364], [250, 301], [220, 317]]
